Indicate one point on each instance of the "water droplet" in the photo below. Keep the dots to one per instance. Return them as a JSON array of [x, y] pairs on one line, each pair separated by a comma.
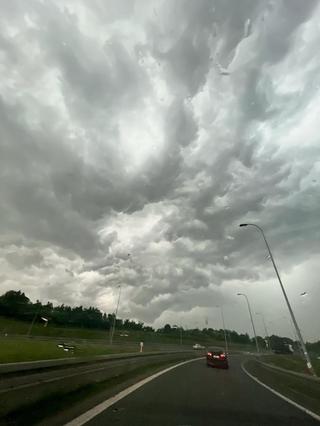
[[247, 28]]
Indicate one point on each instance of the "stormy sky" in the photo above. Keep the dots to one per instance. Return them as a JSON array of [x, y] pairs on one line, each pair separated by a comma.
[[137, 135]]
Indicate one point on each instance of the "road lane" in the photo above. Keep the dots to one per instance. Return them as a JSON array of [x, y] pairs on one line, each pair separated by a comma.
[[197, 395]]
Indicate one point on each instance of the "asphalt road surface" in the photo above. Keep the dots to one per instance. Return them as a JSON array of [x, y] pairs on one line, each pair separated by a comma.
[[194, 395]]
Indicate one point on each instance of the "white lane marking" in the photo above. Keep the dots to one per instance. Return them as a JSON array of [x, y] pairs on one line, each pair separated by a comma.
[[90, 414], [295, 404], [20, 363]]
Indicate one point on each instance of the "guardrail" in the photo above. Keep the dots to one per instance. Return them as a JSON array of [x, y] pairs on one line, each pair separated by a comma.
[[42, 365], [31, 386]]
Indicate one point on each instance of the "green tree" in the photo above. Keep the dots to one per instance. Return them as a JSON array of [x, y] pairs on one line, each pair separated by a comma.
[[15, 304]]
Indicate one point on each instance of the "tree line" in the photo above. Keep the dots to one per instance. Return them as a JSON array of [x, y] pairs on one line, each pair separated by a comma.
[[15, 304]]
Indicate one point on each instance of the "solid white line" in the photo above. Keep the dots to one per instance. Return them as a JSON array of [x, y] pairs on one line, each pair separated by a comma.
[[295, 404], [90, 414], [9, 364]]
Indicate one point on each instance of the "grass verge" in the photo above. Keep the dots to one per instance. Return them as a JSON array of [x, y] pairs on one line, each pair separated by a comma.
[[291, 362], [62, 407], [19, 350], [303, 391], [13, 327], [33, 349]]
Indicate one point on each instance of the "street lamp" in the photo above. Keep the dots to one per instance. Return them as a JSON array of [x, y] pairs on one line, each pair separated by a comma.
[[224, 328], [265, 328], [115, 317], [116, 312], [180, 331], [250, 313], [37, 312], [305, 352]]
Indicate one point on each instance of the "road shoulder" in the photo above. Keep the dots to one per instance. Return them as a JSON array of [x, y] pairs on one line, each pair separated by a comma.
[[298, 391]]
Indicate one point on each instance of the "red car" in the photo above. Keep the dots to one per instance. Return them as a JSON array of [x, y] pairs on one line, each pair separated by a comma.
[[217, 359]]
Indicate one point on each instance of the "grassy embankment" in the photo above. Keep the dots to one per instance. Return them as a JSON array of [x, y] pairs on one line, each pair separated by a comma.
[[15, 346], [291, 362]]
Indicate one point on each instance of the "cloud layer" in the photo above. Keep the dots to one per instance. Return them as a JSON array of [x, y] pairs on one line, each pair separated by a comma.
[[136, 136]]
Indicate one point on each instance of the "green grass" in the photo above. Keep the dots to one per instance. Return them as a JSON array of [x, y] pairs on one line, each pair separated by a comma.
[[16, 350], [291, 362], [15, 346], [12, 326], [17, 327]]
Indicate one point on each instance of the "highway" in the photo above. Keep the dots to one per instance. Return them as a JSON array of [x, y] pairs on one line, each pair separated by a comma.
[[26, 384], [194, 395]]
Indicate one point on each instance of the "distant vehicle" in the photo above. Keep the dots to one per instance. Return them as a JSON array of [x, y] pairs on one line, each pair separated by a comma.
[[197, 346], [124, 335], [217, 359], [66, 347], [283, 349]]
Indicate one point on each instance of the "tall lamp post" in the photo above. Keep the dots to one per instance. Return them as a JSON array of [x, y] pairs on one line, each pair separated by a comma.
[[224, 328], [305, 352], [116, 312], [250, 313], [34, 319], [265, 328], [115, 317], [178, 328]]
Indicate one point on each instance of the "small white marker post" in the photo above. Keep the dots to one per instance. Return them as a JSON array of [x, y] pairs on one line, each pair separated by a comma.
[[141, 346]]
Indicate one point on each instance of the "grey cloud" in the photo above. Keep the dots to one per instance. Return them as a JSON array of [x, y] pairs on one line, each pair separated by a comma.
[[35, 208], [276, 45], [188, 53], [20, 261], [182, 128], [222, 151]]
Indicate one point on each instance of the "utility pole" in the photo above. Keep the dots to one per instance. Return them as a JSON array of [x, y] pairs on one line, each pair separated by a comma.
[[303, 346], [115, 317], [252, 323]]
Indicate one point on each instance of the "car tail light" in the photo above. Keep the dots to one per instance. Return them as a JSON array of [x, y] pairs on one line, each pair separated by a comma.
[[209, 353], [222, 356]]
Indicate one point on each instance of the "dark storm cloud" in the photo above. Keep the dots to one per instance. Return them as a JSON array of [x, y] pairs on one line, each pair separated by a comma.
[[29, 171], [180, 39], [120, 134]]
